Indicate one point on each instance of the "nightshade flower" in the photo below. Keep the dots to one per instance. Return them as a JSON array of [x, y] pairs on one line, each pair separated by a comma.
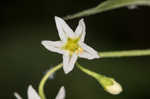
[[71, 45], [32, 94]]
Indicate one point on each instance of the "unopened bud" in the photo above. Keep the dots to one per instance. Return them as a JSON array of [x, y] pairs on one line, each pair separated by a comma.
[[111, 86]]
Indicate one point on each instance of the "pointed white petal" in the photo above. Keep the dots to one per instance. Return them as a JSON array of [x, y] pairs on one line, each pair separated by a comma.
[[61, 93], [69, 62], [63, 29], [80, 30], [32, 94], [17, 95], [65, 61], [54, 46], [88, 52], [86, 55]]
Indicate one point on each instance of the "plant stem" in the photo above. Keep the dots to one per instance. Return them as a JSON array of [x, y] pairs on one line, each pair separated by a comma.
[[89, 72], [45, 78], [127, 53]]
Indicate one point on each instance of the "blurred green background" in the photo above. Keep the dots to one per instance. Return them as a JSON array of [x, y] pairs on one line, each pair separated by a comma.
[[24, 61]]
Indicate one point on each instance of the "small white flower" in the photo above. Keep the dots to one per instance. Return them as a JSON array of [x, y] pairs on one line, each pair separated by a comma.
[[71, 45], [114, 89], [32, 94]]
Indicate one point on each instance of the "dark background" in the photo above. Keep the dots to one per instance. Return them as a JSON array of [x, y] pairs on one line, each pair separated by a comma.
[[23, 60]]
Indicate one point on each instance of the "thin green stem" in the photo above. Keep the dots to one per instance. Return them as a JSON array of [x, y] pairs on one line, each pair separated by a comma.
[[127, 53], [89, 72], [45, 78]]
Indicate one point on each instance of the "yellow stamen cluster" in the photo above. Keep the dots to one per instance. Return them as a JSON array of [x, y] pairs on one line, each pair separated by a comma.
[[72, 46]]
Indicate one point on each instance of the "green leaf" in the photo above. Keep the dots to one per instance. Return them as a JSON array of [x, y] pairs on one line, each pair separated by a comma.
[[108, 5]]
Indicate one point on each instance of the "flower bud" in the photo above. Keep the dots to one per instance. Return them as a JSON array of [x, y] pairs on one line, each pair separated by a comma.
[[111, 86], [108, 83]]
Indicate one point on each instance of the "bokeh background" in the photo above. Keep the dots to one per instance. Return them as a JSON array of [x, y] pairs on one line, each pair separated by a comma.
[[24, 61]]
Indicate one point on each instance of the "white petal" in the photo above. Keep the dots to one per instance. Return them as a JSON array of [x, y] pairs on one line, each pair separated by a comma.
[[63, 29], [17, 95], [88, 52], [32, 94], [61, 93], [69, 62], [80, 30], [86, 55], [54, 46]]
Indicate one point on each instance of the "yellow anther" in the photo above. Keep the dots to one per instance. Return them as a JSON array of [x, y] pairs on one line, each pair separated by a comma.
[[80, 50]]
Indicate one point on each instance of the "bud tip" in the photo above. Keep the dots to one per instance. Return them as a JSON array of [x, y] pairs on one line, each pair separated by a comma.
[[114, 89]]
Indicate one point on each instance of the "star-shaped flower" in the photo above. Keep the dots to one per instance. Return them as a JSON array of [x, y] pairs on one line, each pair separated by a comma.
[[71, 45], [32, 94]]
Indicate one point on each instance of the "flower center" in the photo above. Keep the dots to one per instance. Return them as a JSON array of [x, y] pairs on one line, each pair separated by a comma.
[[72, 46]]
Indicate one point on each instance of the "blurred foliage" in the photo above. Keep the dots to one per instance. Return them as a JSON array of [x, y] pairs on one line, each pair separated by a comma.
[[109, 5]]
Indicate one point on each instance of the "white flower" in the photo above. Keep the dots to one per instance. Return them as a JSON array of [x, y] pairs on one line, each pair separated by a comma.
[[114, 89], [32, 94], [71, 45]]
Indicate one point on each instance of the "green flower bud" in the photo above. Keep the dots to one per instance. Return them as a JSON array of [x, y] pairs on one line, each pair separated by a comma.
[[110, 85]]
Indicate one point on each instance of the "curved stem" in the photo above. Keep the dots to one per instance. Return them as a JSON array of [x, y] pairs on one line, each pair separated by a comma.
[[126, 53], [45, 78]]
